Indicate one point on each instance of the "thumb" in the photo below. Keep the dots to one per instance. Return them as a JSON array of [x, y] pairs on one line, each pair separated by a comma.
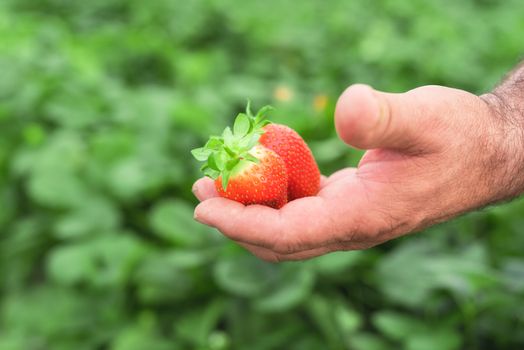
[[367, 119]]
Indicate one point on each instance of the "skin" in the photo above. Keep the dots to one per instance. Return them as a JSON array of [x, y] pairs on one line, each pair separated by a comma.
[[433, 153]]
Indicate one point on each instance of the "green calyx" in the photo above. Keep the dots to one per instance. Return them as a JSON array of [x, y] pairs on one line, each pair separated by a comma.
[[225, 154]]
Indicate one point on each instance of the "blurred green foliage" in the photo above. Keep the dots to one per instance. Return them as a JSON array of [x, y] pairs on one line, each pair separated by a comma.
[[100, 103]]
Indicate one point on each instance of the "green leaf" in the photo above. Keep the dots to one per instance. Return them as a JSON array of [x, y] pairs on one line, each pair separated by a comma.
[[336, 263], [261, 114], [172, 275], [292, 287], [161, 279], [71, 264], [244, 275], [201, 154], [104, 261], [212, 173], [434, 339], [347, 319], [143, 334], [320, 309], [395, 325], [368, 341], [172, 221], [412, 284], [242, 125], [214, 143], [248, 108], [251, 158], [212, 162], [228, 136], [92, 216], [253, 141], [230, 152], [225, 179], [221, 159], [232, 164], [197, 325]]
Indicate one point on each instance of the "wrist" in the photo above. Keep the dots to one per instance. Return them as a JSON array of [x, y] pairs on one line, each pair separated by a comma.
[[507, 113]]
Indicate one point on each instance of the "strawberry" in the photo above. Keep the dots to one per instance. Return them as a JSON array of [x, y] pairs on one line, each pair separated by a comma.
[[263, 183], [302, 169], [244, 170], [259, 162]]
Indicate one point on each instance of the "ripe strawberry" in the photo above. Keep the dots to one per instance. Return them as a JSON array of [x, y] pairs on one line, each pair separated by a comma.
[[244, 170], [257, 163], [302, 169], [263, 183]]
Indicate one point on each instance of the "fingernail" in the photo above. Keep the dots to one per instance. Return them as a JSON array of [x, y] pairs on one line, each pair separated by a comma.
[[194, 189], [198, 217], [195, 216]]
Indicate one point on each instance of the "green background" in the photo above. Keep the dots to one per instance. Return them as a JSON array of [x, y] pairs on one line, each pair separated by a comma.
[[100, 103]]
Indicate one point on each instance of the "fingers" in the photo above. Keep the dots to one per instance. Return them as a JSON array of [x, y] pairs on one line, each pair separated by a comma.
[[369, 119], [254, 224], [204, 188], [258, 229], [303, 228], [301, 224]]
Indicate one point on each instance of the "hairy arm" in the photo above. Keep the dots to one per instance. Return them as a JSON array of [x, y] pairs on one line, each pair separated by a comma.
[[507, 103]]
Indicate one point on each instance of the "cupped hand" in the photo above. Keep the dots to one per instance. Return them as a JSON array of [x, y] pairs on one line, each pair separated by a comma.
[[433, 153]]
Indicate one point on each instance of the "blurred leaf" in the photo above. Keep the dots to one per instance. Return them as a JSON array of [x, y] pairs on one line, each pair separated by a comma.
[[328, 150], [170, 276], [412, 283], [56, 188], [143, 334], [367, 341], [348, 320], [104, 261], [291, 288], [197, 325], [321, 313], [244, 275], [90, 216], [60, 318], [336, 263], [396, 326], [414, 333], [173, 221], [513, 270], [431, 339]]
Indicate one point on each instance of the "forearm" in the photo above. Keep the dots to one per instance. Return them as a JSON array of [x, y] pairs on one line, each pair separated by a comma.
[[510, 93], [507, 104]]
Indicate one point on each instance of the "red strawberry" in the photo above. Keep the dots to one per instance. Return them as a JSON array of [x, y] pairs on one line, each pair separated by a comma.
[[302, 169], [263, 183], [244, 170], [257, 163]]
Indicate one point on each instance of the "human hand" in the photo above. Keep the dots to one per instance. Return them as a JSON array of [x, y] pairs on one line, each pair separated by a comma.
[[434, 153]]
